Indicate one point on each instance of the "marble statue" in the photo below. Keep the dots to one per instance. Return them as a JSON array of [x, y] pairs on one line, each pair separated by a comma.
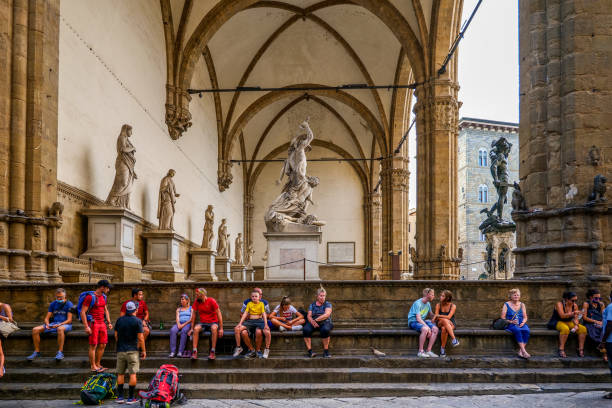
[[209, 234], [238, 252], [249, 256], [119, 196], [291, 205], [223, 236], [166, 201]]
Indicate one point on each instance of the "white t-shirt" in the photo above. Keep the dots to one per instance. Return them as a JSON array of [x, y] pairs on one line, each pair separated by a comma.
[[288, 314]]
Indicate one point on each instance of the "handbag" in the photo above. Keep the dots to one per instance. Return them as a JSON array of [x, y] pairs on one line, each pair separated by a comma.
[[7, 328], [499, 324]]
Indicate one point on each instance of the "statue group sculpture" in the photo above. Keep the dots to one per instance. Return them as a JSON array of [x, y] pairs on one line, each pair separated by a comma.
[[119, 196], [291, 205]]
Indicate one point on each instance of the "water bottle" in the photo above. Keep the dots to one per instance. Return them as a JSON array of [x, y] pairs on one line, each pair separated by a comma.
[[161, 325]]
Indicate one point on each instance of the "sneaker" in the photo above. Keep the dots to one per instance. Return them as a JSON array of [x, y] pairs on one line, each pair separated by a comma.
[[455, 342], [311, 354], [194, 355], [266, 353], [186, 354], [259, 354], [132, 401], [250, 354], [211, 356], [179, 354], [297, 328], [237, 352], [120, 400], [281, 328], [442, 352], [432, 354], [326, 354], [171, 355], [32, 356], [59, 355], [422, 354]]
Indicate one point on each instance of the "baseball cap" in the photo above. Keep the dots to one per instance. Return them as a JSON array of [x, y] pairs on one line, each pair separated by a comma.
[[130, 307]]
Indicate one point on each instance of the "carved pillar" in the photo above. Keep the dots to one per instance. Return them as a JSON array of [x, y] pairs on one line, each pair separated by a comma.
[[437, 131], [31, 41], [248, 221], [565, 129]]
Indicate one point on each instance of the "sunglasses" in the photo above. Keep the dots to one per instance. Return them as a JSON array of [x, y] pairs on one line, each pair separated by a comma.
[[596, 298]]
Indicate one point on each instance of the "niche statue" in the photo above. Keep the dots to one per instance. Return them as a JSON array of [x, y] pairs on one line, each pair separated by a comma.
[[119, 195], [166, 201]]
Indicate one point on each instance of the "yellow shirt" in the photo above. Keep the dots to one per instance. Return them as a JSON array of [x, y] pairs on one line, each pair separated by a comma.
[[255, 309]]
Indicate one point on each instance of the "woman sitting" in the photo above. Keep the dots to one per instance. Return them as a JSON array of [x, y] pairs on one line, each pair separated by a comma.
[[444, 317], [592, 311], [515, 313], [565, 319], [319, 318], [286, 317], [182, 326]]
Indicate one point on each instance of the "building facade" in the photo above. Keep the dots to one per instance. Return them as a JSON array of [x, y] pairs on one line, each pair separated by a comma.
[[476, 190]]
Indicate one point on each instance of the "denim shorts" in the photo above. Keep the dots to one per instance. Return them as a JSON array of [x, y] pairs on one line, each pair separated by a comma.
[[254, 324], [67, 328], [418, 326]]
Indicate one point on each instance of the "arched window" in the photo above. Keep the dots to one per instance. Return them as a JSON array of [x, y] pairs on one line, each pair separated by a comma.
[[483, 194], [482, 157]]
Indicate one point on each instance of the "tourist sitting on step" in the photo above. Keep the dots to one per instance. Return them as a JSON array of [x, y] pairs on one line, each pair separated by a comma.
[[261, 298], [592, 311], [253, 320], [444, 317], [606, 338], [318, 318], [183, 325], [515, 313], [211, 320], [238, 350], [418, 321], [286, 317], [96, 319], [143, 310], [130, 338], [566, 320], [58, 321], [6, 314]]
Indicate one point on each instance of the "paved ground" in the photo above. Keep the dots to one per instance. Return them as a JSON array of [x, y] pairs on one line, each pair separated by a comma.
[[552, 400]]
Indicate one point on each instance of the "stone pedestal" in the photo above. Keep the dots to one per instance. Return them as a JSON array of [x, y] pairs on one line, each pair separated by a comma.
[[111, 239], [238, 272], [502, 242], [203, 265], [250, 274], [223, 268], [163, 256], [290, 248]]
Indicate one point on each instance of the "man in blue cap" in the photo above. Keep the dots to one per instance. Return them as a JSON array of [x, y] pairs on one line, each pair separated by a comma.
[[129, 337]]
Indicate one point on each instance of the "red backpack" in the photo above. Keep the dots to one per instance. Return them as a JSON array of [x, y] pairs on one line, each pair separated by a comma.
[[164, 387]]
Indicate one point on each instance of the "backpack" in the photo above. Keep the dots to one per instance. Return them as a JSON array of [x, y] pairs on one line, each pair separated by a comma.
[[164, 388], [82, 298], [99, 387]]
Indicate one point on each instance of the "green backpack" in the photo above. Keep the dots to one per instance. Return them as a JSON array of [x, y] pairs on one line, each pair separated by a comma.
[[99, 387]]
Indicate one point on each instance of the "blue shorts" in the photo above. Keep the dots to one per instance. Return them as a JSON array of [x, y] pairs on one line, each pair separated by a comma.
[[418, 326], [67, 328]]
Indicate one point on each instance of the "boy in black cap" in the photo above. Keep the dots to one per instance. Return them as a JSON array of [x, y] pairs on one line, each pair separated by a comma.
[[129, 336]]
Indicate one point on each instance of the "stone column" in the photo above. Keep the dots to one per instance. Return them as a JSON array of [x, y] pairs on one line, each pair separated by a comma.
[[29, 39], [437, 131], [375, 220], [566, 140]]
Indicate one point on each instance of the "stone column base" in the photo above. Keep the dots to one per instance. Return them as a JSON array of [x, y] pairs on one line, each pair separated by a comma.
[[223, 268], [289, 249], [436, 269], [163, 256], [250, 275], [203, 265], [238, 272]]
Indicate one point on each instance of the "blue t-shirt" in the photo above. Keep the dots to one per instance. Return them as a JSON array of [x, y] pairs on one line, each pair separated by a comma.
[[607, 315], [418, 307], [264, 301], [319, 310], [60, 311]]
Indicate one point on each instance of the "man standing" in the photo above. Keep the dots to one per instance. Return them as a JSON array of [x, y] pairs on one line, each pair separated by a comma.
[[210, 319], [95, 324], [417, 320], [129, 336], [143, 310], [61, 323], [606, 340]]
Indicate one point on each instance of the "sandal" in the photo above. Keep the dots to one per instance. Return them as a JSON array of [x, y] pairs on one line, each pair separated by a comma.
[[561, 353], [608, 396], [580, 353]]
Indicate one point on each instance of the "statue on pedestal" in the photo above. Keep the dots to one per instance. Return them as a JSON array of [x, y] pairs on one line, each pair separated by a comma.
[[249, 256], [119, 196], [166, 201], [208, 227], [290, 206], [239, 250], [223, 236]]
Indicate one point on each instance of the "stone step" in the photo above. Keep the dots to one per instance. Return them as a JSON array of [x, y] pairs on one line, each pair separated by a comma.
[[344, 341], [338, 361], [328, 375], [22, 391]]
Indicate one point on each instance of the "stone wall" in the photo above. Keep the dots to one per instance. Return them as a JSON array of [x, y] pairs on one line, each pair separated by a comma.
[[372, 302]]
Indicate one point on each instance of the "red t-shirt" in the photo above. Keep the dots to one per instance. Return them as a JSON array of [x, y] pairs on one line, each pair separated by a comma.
[[207, 310], [96, 311], [142, 308]]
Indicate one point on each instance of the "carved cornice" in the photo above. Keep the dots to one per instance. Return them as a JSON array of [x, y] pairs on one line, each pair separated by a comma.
[[178, 117], [76, 194], [224, 174]]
